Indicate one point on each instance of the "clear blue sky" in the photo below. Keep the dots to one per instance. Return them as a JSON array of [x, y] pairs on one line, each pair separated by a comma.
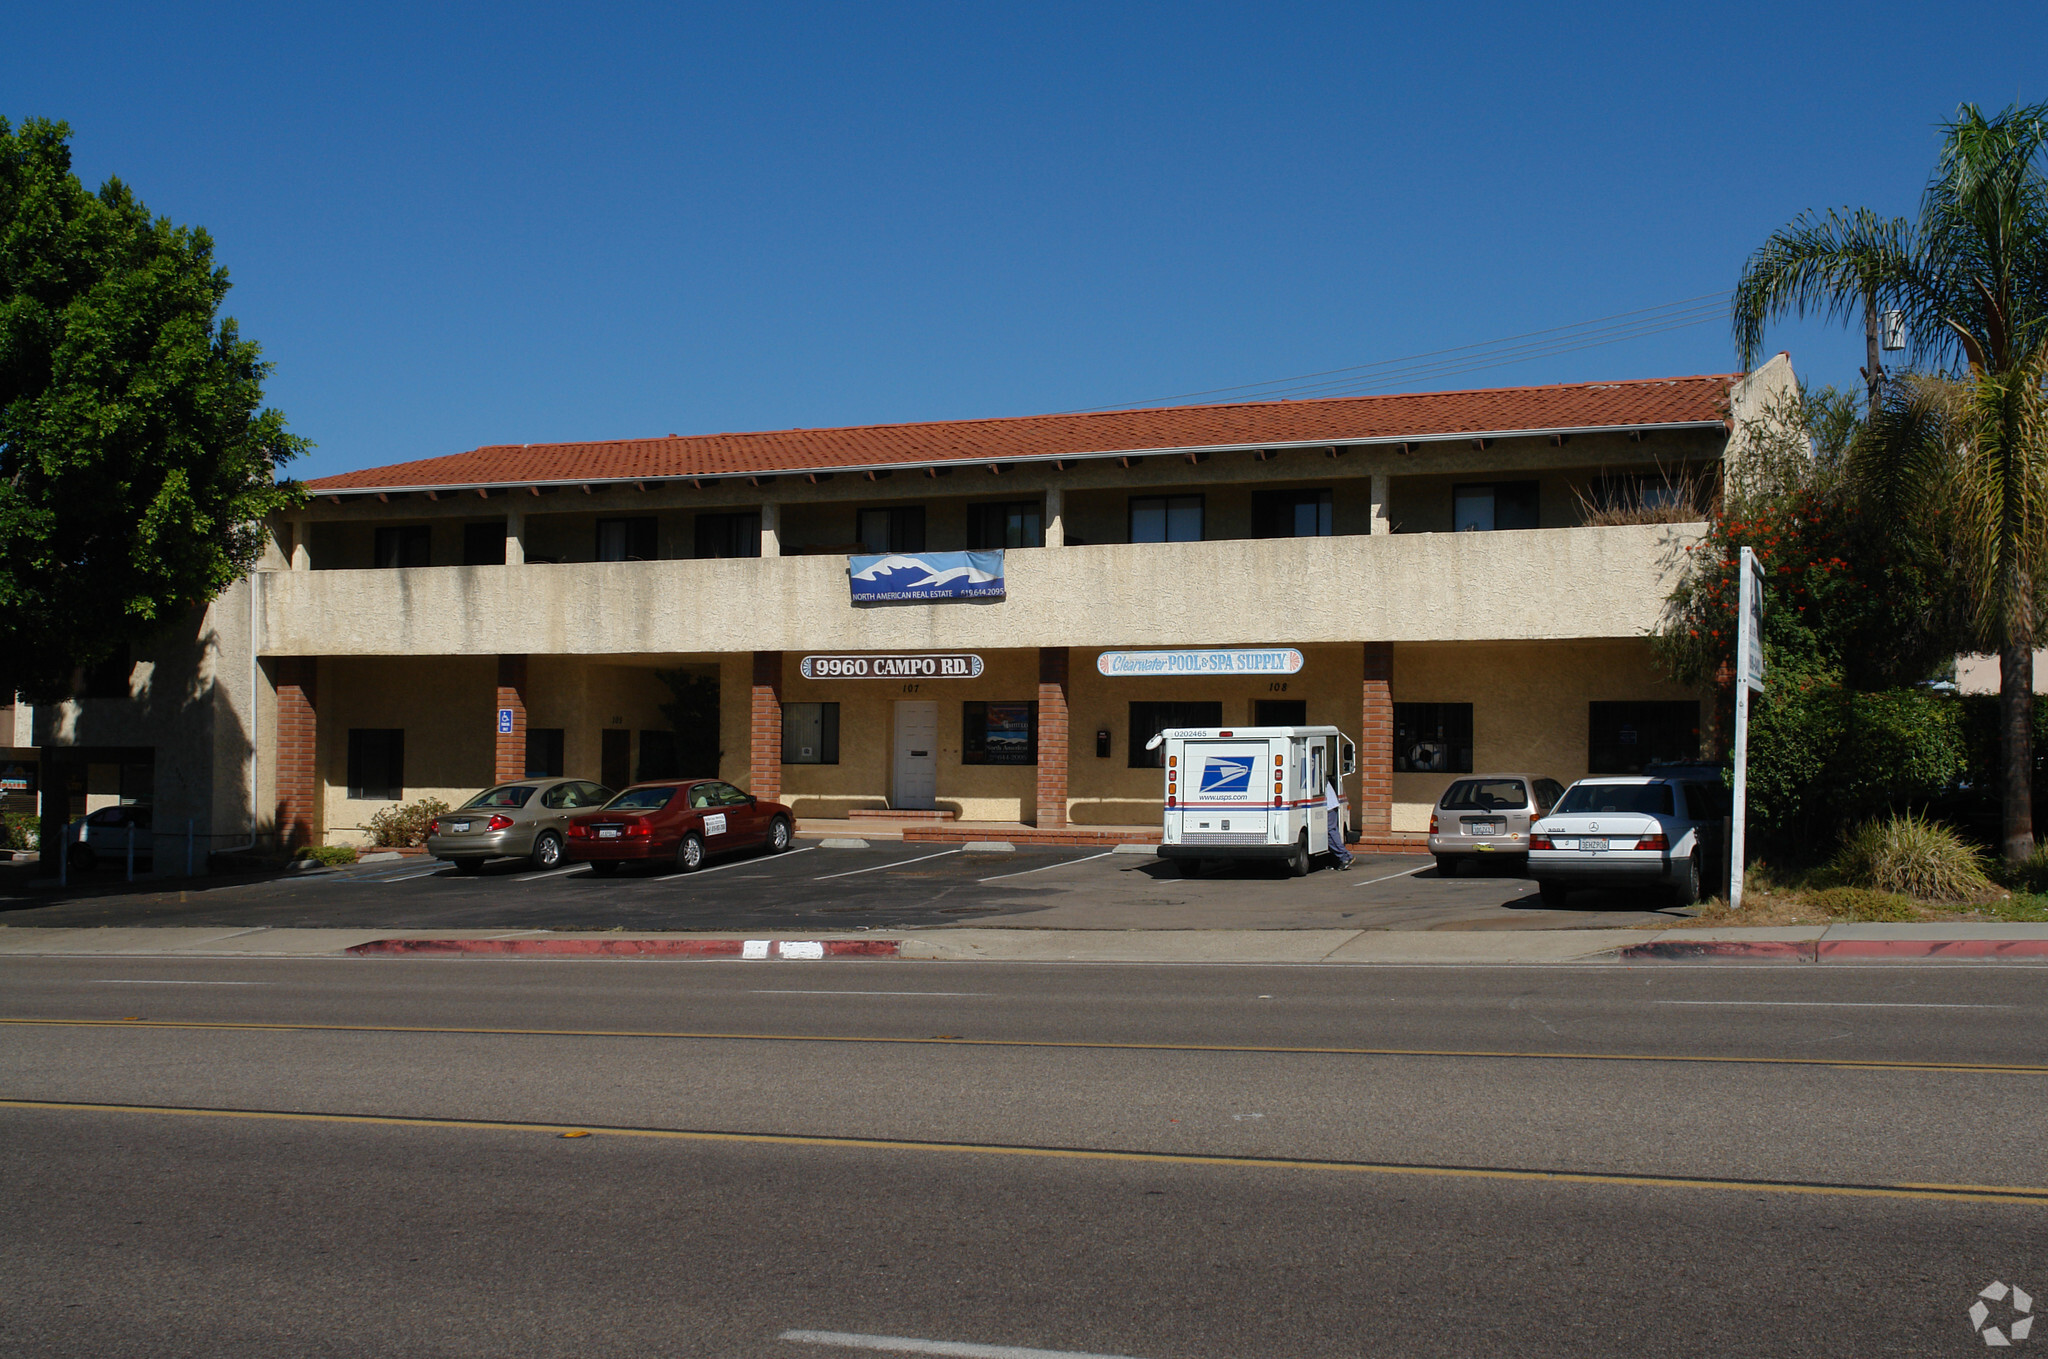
[[454, 226]]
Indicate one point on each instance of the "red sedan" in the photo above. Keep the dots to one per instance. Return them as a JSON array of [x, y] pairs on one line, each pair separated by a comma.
[[681, 822]]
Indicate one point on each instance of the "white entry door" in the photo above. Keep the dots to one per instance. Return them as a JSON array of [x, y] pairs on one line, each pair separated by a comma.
[[917, 755]]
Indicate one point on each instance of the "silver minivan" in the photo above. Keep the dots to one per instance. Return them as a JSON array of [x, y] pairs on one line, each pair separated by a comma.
[[1487, 816]]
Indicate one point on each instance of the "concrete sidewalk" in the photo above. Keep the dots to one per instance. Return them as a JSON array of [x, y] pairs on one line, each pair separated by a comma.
[[2012, 943]]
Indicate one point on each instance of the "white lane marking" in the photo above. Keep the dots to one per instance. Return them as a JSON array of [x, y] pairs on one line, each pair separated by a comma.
[[904, 1344], [721, 868], [1043, 867], [147, 981], [1406, 872], [879, 867], [871, 993], [408, 877], [1849, 1004], [545, 873]]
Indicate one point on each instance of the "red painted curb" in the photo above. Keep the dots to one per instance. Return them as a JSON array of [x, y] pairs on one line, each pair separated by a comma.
[[636, 948], [1934, 948], [1778, 950]]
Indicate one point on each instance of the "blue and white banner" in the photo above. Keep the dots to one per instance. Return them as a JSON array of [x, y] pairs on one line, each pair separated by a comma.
[[927, 575]]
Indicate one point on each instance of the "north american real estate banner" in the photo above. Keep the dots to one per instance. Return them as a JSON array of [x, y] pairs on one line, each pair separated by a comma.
[[917, 576]]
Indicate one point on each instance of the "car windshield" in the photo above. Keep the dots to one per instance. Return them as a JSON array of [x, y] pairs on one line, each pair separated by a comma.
[[1484, 795], [511, 795], [641, 800], [1644, 799]]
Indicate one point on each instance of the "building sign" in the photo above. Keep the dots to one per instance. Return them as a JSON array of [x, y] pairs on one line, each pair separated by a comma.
[[1231, 661], [891, 667], [899, 577]]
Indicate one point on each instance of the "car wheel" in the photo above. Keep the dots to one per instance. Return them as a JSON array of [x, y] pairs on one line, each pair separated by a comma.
[[778, 835], [469, 867], [83, 860], [603, 869], [1447, 865], [547, 850], [690, 853], [1298, 865], [1687, 889], [1554, 893]]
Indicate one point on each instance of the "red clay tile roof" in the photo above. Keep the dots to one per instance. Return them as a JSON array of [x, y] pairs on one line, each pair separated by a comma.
[[1355, 419]]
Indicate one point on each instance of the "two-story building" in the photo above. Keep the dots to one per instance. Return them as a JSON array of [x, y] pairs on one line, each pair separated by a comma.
[[1460, 581]]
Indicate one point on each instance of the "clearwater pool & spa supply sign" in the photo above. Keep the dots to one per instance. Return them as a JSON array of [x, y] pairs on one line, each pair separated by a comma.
[[1228, 661]]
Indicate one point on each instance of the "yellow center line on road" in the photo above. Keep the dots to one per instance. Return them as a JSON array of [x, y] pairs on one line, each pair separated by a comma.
[[2019, 1196], [1839, 1063]]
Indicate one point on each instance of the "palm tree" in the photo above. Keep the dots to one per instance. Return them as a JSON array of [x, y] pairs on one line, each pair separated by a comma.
[[1971, 278]]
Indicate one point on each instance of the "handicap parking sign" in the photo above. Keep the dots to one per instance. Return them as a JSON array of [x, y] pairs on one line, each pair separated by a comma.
[[504, 721]]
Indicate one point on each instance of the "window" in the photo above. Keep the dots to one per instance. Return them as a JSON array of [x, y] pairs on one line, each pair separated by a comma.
[[376, 764], [658, 757], [1011, 523], [1484, 795], [729, 535], [1290, 514], [898, 528], [1433, 738], [1149, 719], [1621, 738], [642, 799], [484, 544], [810, 733], [999, 733], [1497, 505], [543, 752], [1280, 712], [405, 545], [578, 794], [1166, 519], [1639, 799], [1637, 491], [504, 798], [628, 540]]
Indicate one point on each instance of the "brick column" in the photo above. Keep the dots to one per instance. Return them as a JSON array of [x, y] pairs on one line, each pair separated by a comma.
[[509, 761], [1376, 741], [1054, 740], [764, 768], [298, 742]]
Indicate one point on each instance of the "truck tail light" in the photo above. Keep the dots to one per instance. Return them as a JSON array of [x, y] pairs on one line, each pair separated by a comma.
[[500, 822], [1539, 839], [1654, 840], [1171, 799], [1279, 800]]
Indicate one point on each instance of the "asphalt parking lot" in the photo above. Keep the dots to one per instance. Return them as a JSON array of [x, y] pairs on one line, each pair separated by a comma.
[[888, 885]]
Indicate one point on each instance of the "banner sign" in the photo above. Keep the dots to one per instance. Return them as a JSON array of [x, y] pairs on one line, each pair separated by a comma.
[[1749, 623], [1231, 661], [925, 576], [891, 667]]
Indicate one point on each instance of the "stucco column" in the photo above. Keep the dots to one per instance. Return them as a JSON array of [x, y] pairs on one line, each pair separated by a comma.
[[510, 752], [302, 550], [1376, 742], [1381, 522], [764, 768], [771, 539], [298, 743], [515, 537], [1055, 518], [1054, 743]]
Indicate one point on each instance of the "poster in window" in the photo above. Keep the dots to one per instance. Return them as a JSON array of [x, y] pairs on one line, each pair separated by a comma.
[[1009, 733]]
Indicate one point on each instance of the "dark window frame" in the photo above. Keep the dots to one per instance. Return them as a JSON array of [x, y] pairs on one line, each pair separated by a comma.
[[1149, 718], [988, 524], [905, 523], [974, 732], [1166, 507], [398, 546], [1277, 513], [1665, 731], [549, 741], [366, 760], [642, 538], [828, 734], [1263, 707], [1446, 726], [727, 535], [483, 543], [1531, 511]]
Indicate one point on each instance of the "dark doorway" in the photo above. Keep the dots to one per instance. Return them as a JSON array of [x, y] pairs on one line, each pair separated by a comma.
[[616, 758]]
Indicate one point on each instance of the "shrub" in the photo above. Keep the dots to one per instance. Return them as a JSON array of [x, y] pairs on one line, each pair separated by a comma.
[[2031, 876], [20, 831], [1860, 903], [405, 824], [332, 855], [1912, 855]]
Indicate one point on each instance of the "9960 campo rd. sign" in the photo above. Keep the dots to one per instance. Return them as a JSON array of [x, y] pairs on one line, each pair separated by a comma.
[[950, 666], [1283, 660]]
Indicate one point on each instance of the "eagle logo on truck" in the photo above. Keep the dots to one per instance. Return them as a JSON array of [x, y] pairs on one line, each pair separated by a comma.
[[1227, 774]]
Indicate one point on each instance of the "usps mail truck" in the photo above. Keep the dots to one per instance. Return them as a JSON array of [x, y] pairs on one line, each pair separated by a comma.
[[1250, 792]]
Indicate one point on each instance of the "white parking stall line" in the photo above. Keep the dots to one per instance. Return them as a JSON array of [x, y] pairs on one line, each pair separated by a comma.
[[903, 1344], [784, 992], [1404, 873], [1849, 1004], [143, 981], [546, 873], [750, 862], [879, 867], [1043, 867]]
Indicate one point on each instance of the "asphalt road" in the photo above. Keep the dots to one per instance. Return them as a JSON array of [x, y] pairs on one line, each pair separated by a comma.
[[888, 885], [364, 1157]]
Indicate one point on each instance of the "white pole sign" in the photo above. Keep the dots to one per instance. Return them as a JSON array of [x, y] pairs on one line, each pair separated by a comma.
[[1749, 674]]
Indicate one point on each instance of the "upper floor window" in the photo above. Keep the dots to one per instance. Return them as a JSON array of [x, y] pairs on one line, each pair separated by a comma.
[[405, 545], [1166, 519], [1290, 514], [484, 544], [628, 540], [897, 528], [1009, 523], [729, 535], [1493, 505]]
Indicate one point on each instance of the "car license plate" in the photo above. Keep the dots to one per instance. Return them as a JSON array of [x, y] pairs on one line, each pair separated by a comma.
[[1485, 827], [607, 832], [458, 825], [1593, 845]]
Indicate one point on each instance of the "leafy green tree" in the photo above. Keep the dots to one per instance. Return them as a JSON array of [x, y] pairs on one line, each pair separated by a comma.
[[1970, 276], [137, 461]]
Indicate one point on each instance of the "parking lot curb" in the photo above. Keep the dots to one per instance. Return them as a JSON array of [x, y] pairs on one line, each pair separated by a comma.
[[1821, 950], [634, 948]]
